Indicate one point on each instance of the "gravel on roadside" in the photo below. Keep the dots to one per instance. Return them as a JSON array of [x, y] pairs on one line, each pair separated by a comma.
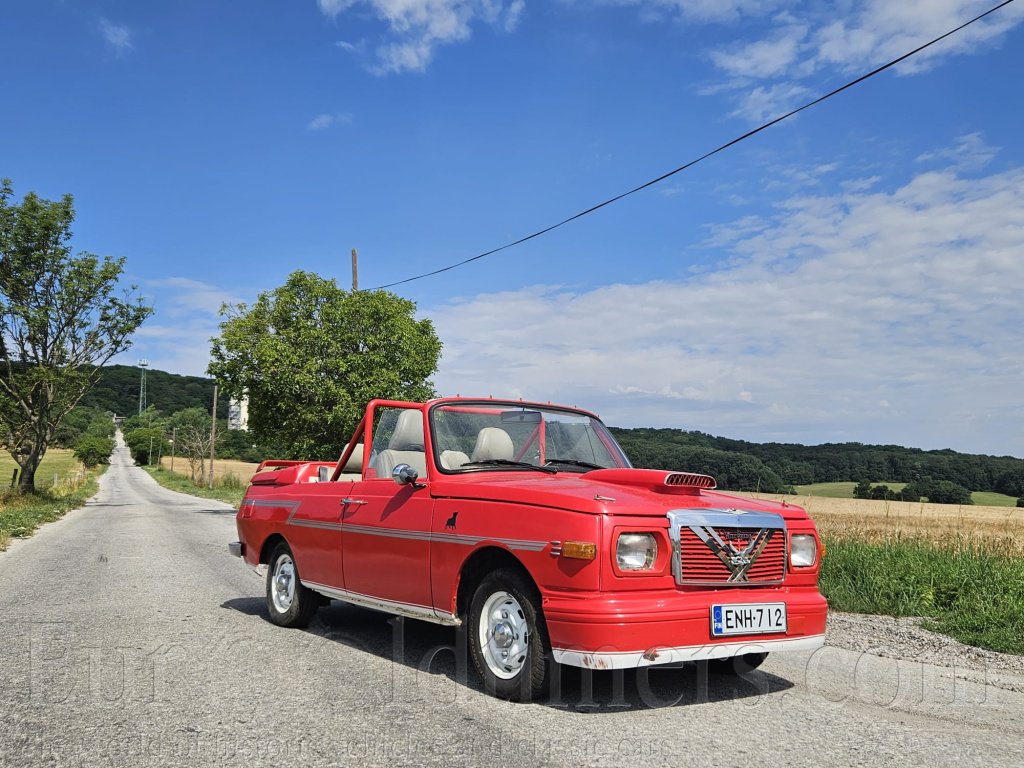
[[904, 638]]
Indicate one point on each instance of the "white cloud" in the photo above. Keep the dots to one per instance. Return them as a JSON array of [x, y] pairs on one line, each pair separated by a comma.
[[971, 153], [909, 298], [118, 36], [513, 14], [699, 10], [766, 103], [763, 58], [873, 34], [177, 337], [418, 27], [326, 120]]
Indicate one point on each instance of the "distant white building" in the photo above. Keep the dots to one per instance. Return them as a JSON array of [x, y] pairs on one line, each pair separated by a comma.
[[238, 414]]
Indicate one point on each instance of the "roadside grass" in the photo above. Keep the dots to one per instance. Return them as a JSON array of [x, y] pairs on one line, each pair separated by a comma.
[[21, 514], [961, 568], [968, 588], [227, 486], [845, 491]]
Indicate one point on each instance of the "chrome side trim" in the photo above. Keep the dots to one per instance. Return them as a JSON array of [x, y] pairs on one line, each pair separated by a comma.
[[659, 655], [412, 610]]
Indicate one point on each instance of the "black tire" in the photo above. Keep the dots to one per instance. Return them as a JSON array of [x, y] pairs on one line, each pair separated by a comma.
[[526, 673], [289, 603], [737, 666]]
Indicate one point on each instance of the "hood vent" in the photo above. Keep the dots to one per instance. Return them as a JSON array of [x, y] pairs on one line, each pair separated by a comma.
[[690, 480], [658, 481]]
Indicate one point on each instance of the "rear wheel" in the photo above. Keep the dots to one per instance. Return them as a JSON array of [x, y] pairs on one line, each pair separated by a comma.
[[507, 636], [289, 603], [737, 665]]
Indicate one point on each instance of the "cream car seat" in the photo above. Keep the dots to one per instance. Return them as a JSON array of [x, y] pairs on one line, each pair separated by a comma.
[[405, 446], [493, 443], [353, 469], [453, 459]]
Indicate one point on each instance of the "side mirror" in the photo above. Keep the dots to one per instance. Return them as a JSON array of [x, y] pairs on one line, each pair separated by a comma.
[[404, 474]]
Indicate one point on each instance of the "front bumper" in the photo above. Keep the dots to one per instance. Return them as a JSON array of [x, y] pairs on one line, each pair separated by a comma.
[[628, 630]]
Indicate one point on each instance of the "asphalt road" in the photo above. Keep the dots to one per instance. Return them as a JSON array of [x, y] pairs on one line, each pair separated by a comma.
[[131, 637]]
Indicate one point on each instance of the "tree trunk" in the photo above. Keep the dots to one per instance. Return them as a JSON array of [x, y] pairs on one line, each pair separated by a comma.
[[27, 483]]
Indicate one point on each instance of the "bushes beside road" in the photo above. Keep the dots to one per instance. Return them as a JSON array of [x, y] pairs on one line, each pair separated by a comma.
[[972, 590]]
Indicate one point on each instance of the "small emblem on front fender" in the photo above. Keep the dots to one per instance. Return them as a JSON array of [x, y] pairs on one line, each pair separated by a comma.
[[450, 524]]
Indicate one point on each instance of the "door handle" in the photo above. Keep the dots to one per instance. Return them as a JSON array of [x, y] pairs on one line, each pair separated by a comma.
[[346, 502]]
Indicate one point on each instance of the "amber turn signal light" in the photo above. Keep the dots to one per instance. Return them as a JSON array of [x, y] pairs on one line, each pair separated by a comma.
[[580, 550]]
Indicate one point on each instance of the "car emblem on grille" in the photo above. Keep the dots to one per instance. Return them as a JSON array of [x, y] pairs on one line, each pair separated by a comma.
[[738, 550]]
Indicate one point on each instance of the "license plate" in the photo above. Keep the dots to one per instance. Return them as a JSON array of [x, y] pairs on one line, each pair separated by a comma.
[[748, 619]]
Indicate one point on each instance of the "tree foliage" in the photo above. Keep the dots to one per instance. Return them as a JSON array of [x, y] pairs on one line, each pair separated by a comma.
[[192, 430], [93, 450], [147, 444], [118, 391], [310, 356], [61, 317], [837, 462]]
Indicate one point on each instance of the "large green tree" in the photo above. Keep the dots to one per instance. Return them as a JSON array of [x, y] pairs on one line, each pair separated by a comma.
[[62, 316], [311, 355]]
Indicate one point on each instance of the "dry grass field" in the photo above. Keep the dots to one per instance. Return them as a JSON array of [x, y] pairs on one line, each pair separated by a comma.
[[875, 521], [59, 461], [221, 467]]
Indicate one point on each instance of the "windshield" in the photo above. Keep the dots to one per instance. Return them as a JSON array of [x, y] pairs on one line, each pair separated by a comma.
[[471, 436]]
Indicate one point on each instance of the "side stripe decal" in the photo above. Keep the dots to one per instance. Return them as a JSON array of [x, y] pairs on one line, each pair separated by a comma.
[[294, 505], [526, 545], [448, 538]]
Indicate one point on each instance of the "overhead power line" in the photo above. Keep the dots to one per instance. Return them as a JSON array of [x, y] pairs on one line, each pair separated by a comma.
[[737, 140]]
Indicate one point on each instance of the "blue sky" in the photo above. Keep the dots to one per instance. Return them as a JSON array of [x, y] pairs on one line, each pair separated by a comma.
[[856, 273]]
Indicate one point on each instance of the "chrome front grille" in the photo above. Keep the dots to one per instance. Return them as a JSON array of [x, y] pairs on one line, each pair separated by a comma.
[[728, 547]]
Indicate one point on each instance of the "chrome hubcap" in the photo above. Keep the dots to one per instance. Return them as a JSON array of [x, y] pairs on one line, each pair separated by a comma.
[[282, 583], [504, 635]]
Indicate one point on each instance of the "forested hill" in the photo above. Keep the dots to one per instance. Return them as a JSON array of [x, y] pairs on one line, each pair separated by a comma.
[[118, 391], [737, 464]]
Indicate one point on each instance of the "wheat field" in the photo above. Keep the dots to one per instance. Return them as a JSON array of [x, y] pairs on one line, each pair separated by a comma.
[[869, 520]]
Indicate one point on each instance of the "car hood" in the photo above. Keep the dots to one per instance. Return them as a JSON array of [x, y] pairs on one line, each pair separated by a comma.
[[615, 492]]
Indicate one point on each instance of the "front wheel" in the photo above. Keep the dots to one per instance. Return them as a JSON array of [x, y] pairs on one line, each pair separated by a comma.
[[507, 636], [289, 603]]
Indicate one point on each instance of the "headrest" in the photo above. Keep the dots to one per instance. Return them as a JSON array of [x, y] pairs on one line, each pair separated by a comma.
[[453, 459], [355, 461], [492, 443], [408, 435]]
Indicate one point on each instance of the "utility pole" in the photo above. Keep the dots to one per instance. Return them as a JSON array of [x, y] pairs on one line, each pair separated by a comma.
[[213, 433], [174, 445], [149, 461], [142, 386], [355, 271]]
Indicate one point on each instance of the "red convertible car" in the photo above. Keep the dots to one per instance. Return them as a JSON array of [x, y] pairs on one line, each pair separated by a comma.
[[525, 524]]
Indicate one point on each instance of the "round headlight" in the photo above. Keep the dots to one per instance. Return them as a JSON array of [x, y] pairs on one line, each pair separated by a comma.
[[803, 550], [636, 551]]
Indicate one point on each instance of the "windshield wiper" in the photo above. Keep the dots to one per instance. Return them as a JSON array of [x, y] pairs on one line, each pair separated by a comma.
[[509, 463], [574, 463]]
